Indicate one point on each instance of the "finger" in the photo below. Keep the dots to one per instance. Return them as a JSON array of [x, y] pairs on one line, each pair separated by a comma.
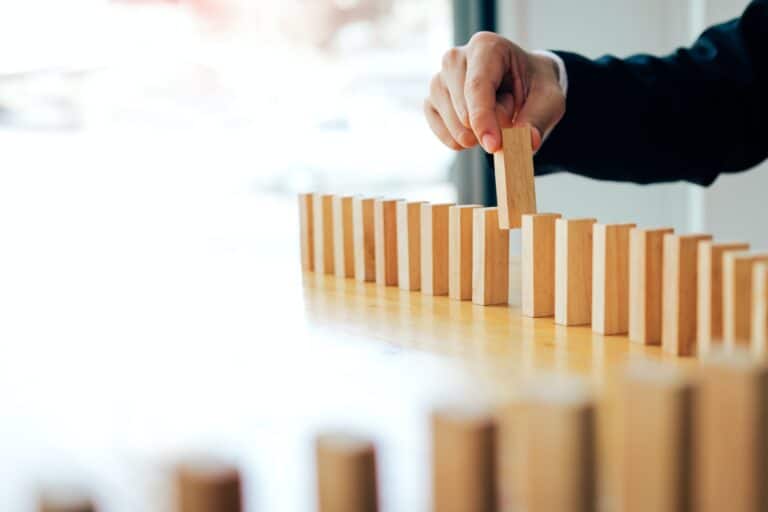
[[438, 127], [454, 75], [543, 109], [441, 101], [484, 74]]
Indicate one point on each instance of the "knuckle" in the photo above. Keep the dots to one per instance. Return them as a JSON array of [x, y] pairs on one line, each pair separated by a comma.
[[482, 38], [452, 57], [475, 84]]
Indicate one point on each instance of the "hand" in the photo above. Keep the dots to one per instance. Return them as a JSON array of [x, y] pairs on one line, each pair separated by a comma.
[[489, 84]]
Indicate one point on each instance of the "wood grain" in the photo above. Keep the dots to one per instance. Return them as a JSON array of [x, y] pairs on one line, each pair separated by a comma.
[[385, 234], [434, 248], [306, 232], [646, 256], [364, 239], [409, 245], [343, 237], [573, 271], [515, 184], [737, 296], [490, 259], [460, 251], [538, 264], [322, 207], [208, 486], [610, 278], [346, 474], [760, 309]]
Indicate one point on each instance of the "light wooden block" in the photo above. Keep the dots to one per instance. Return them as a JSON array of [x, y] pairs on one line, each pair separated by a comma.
[[208, 486], [679, 285], [460, 251], [646, 256], [490, 258], [573, 271], [515, 184], [463, 461], [409, 245], [610, 278], [322, 214], [737, 295], [343, 237], [306, 232], [385, 230], [64, 500], [760, 309], [364, 239], [346, 474], [434, 248], [709, 296], [538, 264]]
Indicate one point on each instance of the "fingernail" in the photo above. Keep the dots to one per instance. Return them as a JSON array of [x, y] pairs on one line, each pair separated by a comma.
[[489, 143]]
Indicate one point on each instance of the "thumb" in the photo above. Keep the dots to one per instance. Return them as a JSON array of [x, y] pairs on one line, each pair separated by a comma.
[[542, 110]]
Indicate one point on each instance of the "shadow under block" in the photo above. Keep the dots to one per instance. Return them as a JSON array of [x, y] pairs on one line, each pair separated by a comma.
[[306, 232], [343, 238], [538, 264], [573, 271], [463, 461], [434, 248], [515, 184], [460, 251], [610, 278], [346, 474], [646, 255], [322, 213], [490, 259], [209, 486], [679, 283], [737, 296], [760, 309], [731, 434], [364, 239], [409, 245], [385, 230]]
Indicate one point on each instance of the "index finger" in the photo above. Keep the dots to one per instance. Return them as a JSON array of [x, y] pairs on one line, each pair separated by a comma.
[[484, 75]]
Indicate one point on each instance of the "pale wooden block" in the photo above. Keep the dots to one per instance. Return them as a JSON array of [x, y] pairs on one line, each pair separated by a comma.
[[515, 184], [760, 309], [306, 232], [709, 296], [343, 237], [208, 486], [364, 239], [346, 474], [463, 460], [737, 296], [322, 213], [409, 245], [385, 230], [646, 255], [490, 258], [538, 264], [573, 271], [610, 278], [679, 284], [64, 500], [460, 251], [434, 248]]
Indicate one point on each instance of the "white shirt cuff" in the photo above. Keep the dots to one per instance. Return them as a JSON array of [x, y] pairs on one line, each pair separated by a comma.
[[562, 73]]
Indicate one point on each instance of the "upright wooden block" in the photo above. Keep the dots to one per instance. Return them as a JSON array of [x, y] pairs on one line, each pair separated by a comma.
[[460, 251], [760, 309], [385, 230], [731, 448], [538, 264], [322, 214], [434, 248], [709, 296], [610, 278], [679, 284], [64, 500], [490, 258], [573, 271], [409, 245], [343, 241], [646, 254], [515, 185], [364, 239], [464, 461], [208, 486], [737, 295], [346, 474], [306, 232]]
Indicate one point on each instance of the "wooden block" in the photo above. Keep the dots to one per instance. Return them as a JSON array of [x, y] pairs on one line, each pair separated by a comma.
[[737, 295], [657, 440], [573, 271], [731, 453], [306, 232], [322, 214], [679, 284], [464, 461], [538, 264], [460, 251], [364, 239], [490, 258], [709, 295], [409, 245], [515, 185], [64, 500], [610, 278], [434, 248], [208, 486], [760, 309], [346, 474], [646, 255], [385, 230], [343, 241]]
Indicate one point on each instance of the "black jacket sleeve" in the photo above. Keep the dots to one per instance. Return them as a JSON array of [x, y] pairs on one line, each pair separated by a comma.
[[692, 115]]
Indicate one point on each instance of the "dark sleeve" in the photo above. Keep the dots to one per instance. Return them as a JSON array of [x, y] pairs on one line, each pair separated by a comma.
[[688, 116]]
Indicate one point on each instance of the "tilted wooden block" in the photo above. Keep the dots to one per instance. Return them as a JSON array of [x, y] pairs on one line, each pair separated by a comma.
[[737, 296], [646, 254], [538, 264], [208, 486], [460, 251], [385, 229], [760, 309], [306, 232], [610, 278], [573, 271], [64, 500], [515, 185], [490, 258], [364, 239], [434, 248], [322, 213], [343, 241], [409, 245], [346, 474], [679, 283]]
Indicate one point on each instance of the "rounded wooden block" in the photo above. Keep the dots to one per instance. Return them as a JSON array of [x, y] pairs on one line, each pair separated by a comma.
[[208, 486], [346, 474], [65, 500]]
